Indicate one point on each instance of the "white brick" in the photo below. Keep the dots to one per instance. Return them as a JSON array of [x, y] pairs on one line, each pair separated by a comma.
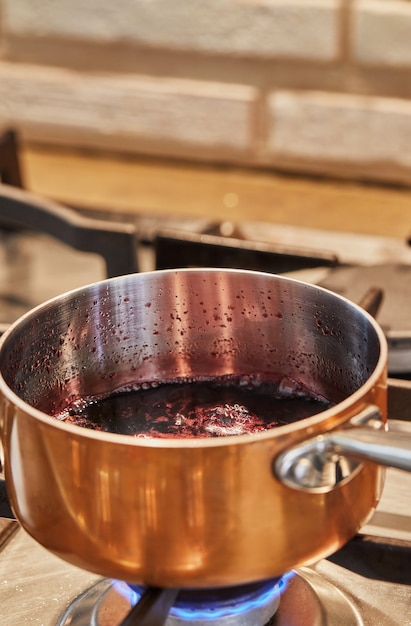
[[306, 29], [321, 127], [123, 111], [382, 32]]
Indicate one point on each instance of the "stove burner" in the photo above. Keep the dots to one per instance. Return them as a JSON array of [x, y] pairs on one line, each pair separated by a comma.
[[254, 603], [307, 599]]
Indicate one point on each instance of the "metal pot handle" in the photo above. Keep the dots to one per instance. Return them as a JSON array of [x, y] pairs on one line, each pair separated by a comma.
[[323, 462]]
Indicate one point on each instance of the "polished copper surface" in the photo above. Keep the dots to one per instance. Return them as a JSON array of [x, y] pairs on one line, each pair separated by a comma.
[[184, 513]]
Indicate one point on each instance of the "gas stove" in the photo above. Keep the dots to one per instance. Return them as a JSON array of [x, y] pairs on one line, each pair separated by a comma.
[[46, 249]]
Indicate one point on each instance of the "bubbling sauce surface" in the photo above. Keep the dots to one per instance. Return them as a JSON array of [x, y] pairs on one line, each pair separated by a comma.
[[188, 409]]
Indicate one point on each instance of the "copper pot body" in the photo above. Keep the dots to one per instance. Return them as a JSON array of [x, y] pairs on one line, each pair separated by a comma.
[[184, 513]]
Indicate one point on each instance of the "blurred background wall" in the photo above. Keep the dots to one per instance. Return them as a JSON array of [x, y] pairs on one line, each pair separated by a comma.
[[312, 86]]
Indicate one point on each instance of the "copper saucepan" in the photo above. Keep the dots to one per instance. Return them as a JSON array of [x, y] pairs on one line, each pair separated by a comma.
[[195, 512]]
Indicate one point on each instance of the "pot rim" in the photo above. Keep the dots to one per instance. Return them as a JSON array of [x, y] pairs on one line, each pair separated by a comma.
[[303, 425]]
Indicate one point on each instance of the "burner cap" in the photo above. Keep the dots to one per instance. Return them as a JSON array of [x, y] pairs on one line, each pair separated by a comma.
[[307, 599], [252, 604]]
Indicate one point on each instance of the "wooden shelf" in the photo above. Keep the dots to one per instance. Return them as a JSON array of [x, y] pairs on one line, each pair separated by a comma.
[[144, 185]]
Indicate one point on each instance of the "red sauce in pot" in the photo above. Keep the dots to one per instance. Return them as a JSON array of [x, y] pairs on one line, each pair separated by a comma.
[[187, 409]]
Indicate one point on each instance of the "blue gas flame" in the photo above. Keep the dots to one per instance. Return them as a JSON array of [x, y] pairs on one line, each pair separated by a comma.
[[213, 611]]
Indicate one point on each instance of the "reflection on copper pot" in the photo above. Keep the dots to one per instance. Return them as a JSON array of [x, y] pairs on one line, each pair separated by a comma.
[[192, 512]]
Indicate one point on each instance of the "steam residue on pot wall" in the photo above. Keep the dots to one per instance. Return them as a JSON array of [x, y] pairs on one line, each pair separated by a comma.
[[182, 325]]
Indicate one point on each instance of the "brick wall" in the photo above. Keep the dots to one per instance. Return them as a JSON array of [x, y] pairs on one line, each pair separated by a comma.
[[316, 86]]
